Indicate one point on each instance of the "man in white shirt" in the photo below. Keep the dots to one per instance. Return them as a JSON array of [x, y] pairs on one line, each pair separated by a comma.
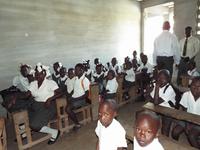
[[189, 47], [166, 50]]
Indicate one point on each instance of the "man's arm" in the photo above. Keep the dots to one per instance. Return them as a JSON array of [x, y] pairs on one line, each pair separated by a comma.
[[97, 145]]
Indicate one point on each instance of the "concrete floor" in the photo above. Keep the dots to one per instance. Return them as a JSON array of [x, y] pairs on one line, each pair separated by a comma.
[[85, 138]]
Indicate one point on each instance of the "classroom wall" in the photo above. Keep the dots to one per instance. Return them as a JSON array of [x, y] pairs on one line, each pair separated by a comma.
[[47, 31]]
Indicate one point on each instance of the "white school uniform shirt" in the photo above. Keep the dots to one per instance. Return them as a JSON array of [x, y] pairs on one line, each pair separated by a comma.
[[166, 44], [112, 137], [154, 145], [168, 95], [189, 102], [148, 66], [193, 46], [21, 83], [70, 84], [45, 91], [81, 85], [130, 75], [112, 86], [115, 68]]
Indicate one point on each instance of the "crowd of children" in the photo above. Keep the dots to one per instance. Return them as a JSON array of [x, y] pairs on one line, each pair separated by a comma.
[[41, 88]]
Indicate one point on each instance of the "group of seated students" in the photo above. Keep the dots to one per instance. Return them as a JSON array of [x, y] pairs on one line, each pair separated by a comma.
[[36, 89]]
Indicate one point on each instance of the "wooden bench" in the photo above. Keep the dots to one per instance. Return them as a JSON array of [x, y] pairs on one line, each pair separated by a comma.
[[19, 119], [3, 138], [174, 113], [120, 91], [62, 117], [94, 97]]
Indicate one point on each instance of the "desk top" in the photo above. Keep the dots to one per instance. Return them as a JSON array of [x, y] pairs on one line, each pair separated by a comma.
[[174, 113]]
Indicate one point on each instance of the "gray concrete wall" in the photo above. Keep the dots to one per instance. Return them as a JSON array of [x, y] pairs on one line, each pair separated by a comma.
[[46, 31]]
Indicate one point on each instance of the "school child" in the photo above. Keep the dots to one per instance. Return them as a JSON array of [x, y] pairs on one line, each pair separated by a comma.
[[114, 66], [21, 81], [80, 94], [62, 79], [129, 80], [56, 74], [163, 94], [98, 77], [146, 131], [190, 102], [145, 74], [192, 70], [111, 85], [111, 135], [70, 82]]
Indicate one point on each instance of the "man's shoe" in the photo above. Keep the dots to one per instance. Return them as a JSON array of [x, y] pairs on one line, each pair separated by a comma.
[[53, 140]]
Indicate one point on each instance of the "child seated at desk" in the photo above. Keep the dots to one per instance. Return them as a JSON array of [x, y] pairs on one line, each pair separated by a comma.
[[190, 102], [192, 71], [111, 135], [146, 131], [163, 94], [62, 79]]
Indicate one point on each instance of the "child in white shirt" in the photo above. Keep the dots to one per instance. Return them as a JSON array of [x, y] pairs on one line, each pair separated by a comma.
[[146, 131], [111, 86], [111, 135], [192, 71]]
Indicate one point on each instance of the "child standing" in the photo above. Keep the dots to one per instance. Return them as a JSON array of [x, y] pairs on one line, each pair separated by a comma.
[[70, 82], [62, 80], [111, 135], [56, 74], [146, 131], [99, 77]]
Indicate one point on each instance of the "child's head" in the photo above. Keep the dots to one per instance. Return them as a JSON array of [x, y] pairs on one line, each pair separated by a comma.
[[71, 73], [57, 66], [40, 73], [79, 70], [111, 74], [144, 59], [146, 127], [191, 65], [134, 54], [96, 61], [128, 65], [99, 68], [195, 87], [107, 111], [24, 70], [62, 72], [163, 77], [114, 61]]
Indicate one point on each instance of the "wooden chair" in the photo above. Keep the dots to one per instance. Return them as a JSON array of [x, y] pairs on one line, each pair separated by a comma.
[[3, 138], [19, 119]]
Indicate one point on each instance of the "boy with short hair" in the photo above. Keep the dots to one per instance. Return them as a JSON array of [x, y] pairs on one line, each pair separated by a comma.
[[146, 131], [111, 135]]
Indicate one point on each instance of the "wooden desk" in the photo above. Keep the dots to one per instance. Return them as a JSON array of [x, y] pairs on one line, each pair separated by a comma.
[[3, 143], [174, 113]]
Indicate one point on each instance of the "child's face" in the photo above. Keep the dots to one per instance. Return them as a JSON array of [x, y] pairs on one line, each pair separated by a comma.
[[71, 74], [98, 69], [162, 80], [146, 130], [62, 72], [24, 71], [78, 71], [195, 89], [110, 76], [106, 114], [55, 67]]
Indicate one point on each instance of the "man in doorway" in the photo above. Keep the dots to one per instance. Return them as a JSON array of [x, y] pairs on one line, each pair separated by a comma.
[[189, 46], [166, 50]]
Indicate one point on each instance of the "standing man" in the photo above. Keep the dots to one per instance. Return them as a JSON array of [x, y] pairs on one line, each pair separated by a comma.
[[189, 48], [166, 50]]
